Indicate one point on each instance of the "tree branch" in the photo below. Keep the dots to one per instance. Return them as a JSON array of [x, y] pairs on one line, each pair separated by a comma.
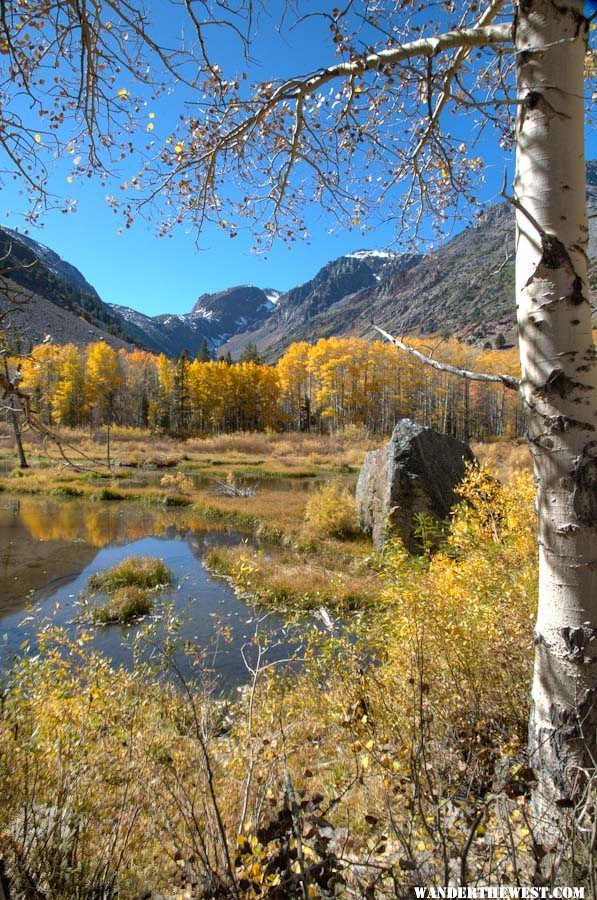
[[508, 381], [461, 55], [478, 36]]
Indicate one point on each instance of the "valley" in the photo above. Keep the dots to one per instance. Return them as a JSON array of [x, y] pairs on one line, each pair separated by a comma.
[[463, 289]]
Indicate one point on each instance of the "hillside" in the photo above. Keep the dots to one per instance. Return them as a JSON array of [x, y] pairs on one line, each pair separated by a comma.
[[214, 318], [52, 296], [465, 289], [42, 295]]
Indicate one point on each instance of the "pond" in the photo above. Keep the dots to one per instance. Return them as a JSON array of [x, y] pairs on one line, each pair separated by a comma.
[[50, 547], [211, 482]]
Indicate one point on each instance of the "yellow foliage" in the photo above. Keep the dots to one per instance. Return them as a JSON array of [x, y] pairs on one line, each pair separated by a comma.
[[331, 511], [103, 374], [390, 736], [333, 384], [467, 618], [177, 481]]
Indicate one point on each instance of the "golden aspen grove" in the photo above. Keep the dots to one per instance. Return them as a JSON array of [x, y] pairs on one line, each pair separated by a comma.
[[322, 387]]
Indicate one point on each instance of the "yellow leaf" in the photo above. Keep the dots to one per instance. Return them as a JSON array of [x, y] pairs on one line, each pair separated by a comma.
[[123, 93], [38, 138]]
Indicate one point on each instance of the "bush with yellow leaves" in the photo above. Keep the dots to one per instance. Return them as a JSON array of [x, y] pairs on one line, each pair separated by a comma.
[[177, 481], [393, 757], [468, 610], [331, 511]]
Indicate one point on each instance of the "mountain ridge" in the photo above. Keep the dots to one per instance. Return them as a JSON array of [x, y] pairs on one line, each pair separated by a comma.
[[465, 288]]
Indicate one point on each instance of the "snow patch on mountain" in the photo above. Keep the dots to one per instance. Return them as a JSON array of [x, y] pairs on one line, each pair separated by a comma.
[[128, 314], [201, 313], [371, 254]]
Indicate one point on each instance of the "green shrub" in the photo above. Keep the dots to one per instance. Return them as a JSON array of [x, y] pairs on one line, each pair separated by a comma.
[[331, 512], [109, 494], [66, 490], [124, 605], [136, 571]]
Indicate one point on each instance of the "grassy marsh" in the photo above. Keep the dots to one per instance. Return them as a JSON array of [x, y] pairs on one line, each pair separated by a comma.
[[136, 571], [315, 558], [129, 586], [403, 771]]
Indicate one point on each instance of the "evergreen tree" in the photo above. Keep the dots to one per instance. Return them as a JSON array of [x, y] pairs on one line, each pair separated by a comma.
[[250, 354], [203, 354], [181, 400]]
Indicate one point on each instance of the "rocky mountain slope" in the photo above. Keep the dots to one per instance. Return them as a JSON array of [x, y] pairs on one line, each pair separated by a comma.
[[42, 294], [214, 318], [466, 288]]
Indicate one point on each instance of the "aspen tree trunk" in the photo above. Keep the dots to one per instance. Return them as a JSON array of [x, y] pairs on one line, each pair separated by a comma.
[[14, 419], [16, 427], [559, 387]]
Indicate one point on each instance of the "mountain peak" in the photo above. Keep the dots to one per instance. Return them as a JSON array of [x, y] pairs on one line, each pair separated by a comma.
[[371, 254], [465, 288]]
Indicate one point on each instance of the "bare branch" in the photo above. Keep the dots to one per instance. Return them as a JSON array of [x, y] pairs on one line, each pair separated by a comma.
[[461, 55], [480, 36], [509, 257], [508, 381]]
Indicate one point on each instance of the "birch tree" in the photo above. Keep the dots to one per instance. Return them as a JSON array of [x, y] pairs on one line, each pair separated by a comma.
[[375, 133]]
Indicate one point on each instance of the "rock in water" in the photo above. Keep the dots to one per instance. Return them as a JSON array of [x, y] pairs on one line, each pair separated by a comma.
[[416, 473]]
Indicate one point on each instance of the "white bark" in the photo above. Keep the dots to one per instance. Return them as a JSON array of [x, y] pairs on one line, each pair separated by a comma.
[[508, 381], [559, 388]]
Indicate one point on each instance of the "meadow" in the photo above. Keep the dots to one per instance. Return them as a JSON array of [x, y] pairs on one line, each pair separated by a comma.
[[391, 755]]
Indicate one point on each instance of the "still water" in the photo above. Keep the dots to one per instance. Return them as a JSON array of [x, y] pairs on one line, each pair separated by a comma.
[[50, 547]]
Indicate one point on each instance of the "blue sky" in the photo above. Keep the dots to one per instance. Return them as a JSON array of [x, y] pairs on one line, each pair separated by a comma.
[[136, 268]]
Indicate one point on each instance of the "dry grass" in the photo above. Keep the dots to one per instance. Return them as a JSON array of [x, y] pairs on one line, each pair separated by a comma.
[[505, 458], [279, 453], [124, 605], [290, 579], [344, 448]]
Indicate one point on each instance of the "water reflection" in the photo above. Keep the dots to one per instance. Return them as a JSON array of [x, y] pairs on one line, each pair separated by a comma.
[[98, 524], [49, 548], [201, 481]]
